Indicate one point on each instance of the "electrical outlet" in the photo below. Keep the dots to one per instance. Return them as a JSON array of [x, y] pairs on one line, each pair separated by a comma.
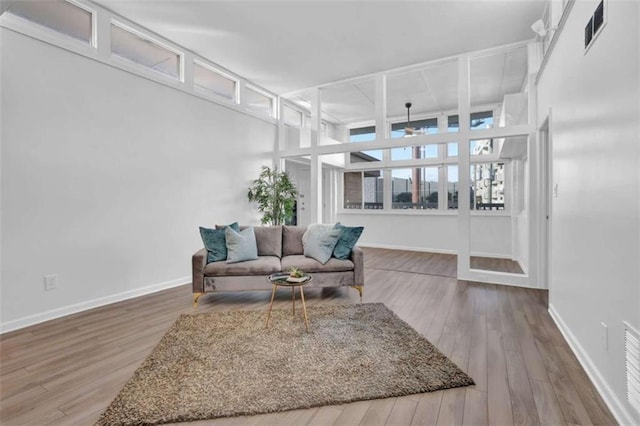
[[555, 191], [50, 282], [605, 336]]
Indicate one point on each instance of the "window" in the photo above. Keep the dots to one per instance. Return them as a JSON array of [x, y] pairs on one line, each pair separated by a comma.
[[420, 127], [452, 187], [259, 102], [364, 134], [291, 116], [481, 147], [141, 50], [596, 21], [414, 152], [363, 190], [415, 188], [479, 120], [59, 15], [452, 149], [214, 82], [487, 186]]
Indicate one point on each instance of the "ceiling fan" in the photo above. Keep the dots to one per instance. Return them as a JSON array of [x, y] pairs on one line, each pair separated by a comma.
[[411, 131]]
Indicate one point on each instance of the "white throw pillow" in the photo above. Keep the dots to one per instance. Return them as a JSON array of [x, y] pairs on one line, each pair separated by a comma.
[[241, 245], [319, 241]]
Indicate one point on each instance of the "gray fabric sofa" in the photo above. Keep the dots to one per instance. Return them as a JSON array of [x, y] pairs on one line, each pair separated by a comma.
[[279, 248]]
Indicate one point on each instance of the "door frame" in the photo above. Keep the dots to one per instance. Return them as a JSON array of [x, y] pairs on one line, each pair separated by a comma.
[[546, 196]]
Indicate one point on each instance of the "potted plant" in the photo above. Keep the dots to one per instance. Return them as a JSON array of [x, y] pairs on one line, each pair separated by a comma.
[[275, 194]]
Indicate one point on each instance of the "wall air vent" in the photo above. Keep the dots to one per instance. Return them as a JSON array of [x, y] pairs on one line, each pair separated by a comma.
[[632, 356], [595, 24]]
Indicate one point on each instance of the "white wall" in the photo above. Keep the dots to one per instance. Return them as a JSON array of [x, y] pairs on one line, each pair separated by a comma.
[[433, 233], [596, 216], [106, 177]]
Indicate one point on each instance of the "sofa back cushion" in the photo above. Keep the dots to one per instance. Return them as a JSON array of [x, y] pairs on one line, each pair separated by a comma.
[[269, 240], [292, 240]]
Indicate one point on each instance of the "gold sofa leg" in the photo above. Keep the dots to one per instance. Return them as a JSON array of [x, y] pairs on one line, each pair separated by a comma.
[[359, 288], [196, 296]]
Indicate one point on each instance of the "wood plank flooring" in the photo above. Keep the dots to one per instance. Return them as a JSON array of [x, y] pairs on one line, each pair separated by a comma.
[[67, 371]]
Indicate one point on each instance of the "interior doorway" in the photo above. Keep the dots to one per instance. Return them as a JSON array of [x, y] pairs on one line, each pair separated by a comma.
[[547, 192]]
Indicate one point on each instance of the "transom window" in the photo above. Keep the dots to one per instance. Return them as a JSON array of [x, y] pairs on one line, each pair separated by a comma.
[[215, 82], [259, 102], [135, 47], [59, 15]]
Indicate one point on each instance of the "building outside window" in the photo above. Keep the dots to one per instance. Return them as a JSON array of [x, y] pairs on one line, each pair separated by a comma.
[[415, 188], [364, 134], [487, 186], [363, 190]]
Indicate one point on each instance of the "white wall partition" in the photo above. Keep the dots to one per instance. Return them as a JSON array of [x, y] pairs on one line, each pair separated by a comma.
[[491, 236], [595, 128], [106, 177]]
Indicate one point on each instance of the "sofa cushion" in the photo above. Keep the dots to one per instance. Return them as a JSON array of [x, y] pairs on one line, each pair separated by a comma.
[[310, 265], [319, 241], [292, 240], [263, 265], [241, 246], [215, 242], [348, 238], [269, 240]]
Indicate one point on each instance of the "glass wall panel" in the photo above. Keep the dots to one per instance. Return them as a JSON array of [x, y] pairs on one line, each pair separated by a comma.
[[407, 130], [291, 116], [478, 120], [364, 134], [488, 186], [452, 149], [499, 80], [453, 185]]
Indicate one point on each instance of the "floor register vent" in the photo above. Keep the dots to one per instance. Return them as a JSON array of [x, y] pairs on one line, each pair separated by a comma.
[[632, 355]]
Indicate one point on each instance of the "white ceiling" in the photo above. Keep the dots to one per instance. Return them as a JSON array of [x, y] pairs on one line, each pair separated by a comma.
[[286, 46]]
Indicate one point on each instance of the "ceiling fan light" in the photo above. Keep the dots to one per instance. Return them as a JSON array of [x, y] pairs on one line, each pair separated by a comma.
[[539, 28]]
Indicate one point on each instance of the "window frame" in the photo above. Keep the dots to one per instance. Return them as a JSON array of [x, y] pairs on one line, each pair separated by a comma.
[[137, 66], [57, 38], [207, 92], [260, 91]]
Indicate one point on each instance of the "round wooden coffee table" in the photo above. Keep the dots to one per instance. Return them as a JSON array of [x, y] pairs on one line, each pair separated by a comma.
[[280, 280]]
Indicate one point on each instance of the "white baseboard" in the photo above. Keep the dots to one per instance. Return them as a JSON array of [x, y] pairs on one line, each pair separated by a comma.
[[619, 411], [90, 304]]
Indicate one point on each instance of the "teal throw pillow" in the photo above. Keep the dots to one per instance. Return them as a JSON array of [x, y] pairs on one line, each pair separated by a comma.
[[346, 242], [215, 242], [241, 245], [319, 242]]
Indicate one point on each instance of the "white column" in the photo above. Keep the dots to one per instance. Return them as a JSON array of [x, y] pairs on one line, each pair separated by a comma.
[[279, 142], [464, 217], [443, 191], [103, 34], [315, 189], [381, 133]]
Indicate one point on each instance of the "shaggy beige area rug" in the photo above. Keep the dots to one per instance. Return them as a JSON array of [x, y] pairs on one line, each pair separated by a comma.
[[227, 364]]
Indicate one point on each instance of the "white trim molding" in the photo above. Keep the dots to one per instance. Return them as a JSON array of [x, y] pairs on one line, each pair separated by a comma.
[[609, 397], [89, 304]]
